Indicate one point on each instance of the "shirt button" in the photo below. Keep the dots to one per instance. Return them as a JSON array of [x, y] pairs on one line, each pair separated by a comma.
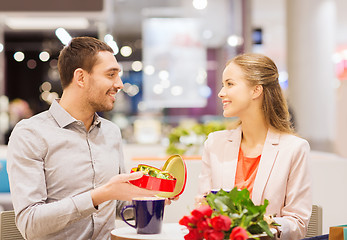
[[79, 123]]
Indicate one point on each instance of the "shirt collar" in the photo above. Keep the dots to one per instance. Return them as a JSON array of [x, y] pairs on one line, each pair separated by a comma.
[[63, 118]]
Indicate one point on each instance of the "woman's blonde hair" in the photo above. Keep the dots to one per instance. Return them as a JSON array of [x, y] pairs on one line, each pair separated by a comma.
[[261, 70]]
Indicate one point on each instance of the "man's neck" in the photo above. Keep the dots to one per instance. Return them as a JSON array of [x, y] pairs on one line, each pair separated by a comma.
[[77, 109]]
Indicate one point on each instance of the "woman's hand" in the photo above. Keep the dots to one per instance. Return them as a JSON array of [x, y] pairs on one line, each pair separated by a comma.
[[200, 200], [168, 200]]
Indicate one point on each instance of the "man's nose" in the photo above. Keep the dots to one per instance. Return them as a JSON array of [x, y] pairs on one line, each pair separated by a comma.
[[118, 83]]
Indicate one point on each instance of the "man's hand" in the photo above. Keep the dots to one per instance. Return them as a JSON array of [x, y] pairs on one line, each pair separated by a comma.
[[119, 188]]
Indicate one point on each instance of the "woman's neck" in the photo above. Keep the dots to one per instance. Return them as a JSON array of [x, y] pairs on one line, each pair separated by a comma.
[[254, 133]]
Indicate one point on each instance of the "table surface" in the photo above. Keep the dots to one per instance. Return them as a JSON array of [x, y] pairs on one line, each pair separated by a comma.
[[170, 231]]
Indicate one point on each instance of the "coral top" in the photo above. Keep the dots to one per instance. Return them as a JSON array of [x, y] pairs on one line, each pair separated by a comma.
[[246, 171]]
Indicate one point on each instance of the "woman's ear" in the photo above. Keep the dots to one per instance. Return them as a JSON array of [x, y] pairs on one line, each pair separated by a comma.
[[79, 77], [257, 91]]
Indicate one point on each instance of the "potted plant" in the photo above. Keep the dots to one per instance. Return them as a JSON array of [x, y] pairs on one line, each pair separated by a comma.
[[189, 138]]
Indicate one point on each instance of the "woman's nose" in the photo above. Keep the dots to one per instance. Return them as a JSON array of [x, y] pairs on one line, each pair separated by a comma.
[[221, 93]]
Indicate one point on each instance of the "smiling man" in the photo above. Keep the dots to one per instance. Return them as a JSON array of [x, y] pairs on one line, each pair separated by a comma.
[[65, 165]]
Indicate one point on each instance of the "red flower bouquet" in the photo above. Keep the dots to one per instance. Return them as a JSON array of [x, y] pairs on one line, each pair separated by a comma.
[[227, 215]]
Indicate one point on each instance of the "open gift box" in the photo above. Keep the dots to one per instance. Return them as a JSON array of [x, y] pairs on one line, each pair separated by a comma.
[[168, 188]]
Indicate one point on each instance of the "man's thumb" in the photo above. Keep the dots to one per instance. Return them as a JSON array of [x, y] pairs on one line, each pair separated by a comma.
[[134, 176]]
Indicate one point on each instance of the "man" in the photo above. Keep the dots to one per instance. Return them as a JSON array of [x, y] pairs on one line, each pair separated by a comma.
[[65, 164]]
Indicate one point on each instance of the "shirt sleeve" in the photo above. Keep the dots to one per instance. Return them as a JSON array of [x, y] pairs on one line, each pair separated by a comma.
[[34, 216], [121, 204]]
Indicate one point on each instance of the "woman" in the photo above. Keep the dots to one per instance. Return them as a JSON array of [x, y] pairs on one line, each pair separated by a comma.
[[262, 154]]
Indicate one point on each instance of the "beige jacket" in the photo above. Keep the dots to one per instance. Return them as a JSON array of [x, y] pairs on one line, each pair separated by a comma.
[[283, 176]]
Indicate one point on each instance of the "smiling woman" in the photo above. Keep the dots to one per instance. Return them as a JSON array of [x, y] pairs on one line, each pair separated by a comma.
[[262, 154]]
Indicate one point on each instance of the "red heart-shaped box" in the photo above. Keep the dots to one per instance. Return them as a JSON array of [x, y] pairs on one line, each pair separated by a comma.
[[153, 183], [168, 188]]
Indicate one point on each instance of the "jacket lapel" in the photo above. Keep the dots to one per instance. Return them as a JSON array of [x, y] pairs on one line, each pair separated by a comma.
[[267, 160], [231, 153]]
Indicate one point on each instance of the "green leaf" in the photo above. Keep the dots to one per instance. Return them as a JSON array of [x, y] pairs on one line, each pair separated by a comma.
[[263, 224], [223, 204], [248, 219], [255, 229]]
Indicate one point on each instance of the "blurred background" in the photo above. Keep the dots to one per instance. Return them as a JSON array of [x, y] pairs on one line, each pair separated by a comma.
[[172, 54]]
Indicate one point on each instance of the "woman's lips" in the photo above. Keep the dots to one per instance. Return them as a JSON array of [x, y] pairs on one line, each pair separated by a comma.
[[226, 103]]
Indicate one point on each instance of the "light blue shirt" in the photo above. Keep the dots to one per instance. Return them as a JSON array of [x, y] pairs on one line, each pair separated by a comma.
[[53, 164]]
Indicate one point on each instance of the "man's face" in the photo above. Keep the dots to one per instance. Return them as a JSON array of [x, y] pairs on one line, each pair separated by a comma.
[[103, 82]]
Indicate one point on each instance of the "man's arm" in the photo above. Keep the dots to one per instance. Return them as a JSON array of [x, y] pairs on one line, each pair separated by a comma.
[[34, 216]]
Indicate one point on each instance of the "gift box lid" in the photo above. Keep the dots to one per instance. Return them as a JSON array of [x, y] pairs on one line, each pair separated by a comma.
[[176, 166]]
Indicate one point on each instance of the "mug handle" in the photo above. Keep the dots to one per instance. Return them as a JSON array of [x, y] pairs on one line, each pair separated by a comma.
[[121, 213]]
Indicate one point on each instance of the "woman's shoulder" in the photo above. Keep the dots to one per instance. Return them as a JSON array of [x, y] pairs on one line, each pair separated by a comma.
[[223, 136], [217, 138], [292, 137], [288, 139], [221, 133]]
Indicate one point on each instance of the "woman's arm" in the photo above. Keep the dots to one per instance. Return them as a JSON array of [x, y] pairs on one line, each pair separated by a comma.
[[205, 181], [298, 201]]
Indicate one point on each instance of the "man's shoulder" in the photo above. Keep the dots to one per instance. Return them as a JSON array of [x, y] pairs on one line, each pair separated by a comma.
[[30, 130], [107, 122], [34, 121], [108, 125]]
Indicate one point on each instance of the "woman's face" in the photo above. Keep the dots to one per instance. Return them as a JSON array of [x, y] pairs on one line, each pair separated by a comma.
[[236, 93]]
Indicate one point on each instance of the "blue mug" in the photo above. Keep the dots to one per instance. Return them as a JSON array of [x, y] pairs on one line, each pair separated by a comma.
[[149, 213], [215, 190]]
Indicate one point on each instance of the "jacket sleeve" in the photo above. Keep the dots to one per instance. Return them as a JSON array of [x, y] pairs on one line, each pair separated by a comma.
[[296, 211], [205, 174]]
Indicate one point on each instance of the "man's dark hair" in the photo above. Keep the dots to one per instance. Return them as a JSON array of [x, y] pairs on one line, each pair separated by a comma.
[[79, 53]]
